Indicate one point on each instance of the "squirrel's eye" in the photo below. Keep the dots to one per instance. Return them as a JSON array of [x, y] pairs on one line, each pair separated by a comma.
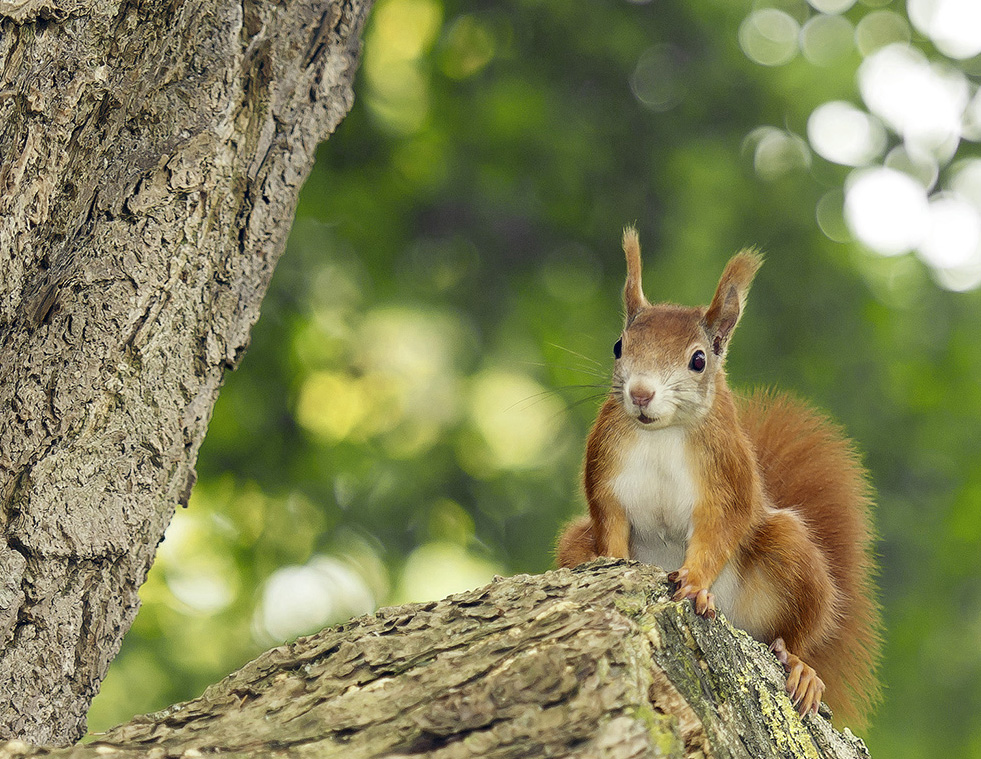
[[617, 348], [697, 363]]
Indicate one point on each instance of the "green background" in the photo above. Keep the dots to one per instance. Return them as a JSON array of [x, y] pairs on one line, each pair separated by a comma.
[[410, 417]]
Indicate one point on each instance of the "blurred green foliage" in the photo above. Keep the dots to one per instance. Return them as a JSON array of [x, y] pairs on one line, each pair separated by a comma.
[[410, 417]]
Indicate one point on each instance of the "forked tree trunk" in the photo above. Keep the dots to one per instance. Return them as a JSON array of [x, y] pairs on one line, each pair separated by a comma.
[[591, 663], [150, 158]]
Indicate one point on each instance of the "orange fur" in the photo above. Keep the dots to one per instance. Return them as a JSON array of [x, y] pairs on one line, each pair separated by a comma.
[[576, 544], [779, 516], [807, 463]]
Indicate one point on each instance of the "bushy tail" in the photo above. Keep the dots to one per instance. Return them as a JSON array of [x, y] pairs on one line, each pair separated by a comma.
[[808, 464]]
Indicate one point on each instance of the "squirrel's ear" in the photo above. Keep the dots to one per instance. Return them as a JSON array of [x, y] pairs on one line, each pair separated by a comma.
[[633, 294], [727, 306]]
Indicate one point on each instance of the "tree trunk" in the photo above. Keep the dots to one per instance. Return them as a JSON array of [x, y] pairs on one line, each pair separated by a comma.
[[593, 662], [150, 158]]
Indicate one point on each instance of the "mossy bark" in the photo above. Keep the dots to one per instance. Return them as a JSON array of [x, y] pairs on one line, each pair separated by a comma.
[[593, 662], [151, 154]]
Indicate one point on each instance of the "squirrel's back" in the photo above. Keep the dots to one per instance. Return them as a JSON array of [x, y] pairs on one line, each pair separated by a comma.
[[808, 464]]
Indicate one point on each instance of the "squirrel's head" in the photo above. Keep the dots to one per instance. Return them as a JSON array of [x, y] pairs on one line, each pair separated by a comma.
[[670, 358]]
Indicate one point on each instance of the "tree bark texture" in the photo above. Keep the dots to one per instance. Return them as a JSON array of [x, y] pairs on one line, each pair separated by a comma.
[[594, 662], [151, 154]]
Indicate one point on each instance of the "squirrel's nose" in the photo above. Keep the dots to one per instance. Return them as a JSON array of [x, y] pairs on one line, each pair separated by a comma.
[[641, 396]]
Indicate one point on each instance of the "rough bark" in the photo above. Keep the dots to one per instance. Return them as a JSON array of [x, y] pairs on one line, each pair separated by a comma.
[[150, 158], [593, 662]]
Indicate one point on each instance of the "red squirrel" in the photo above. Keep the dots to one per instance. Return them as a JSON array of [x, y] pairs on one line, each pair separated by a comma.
[[759, 505]]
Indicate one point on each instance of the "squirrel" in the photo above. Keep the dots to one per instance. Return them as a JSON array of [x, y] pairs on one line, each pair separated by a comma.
[[759, 505]]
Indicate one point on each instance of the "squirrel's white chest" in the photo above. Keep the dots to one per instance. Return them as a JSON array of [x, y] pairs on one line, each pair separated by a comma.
[[656, 488]]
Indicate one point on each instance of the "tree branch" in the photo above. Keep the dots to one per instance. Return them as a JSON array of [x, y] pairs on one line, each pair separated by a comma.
[[593, 662]]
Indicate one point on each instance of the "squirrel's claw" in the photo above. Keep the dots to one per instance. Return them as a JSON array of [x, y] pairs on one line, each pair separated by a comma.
[[804, 686], [779, 649], [703, 600]]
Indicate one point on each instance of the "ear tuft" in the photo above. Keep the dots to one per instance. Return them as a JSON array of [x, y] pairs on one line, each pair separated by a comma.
[[633, 294], [727, 305]]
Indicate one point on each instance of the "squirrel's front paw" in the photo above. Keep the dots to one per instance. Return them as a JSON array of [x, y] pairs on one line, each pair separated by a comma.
[[703, 600]]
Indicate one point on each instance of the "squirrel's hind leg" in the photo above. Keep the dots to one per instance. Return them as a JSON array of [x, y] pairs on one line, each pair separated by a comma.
[[804, 686], [789, 599], [576, 544]]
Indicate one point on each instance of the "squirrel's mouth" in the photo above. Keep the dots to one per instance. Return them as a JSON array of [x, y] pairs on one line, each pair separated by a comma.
[[644, 419]]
